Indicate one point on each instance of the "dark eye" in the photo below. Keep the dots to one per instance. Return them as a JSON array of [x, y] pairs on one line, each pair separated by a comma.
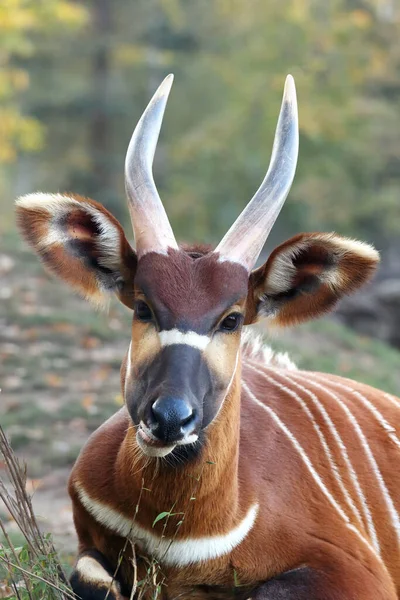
[[231, 322], [143, 312]]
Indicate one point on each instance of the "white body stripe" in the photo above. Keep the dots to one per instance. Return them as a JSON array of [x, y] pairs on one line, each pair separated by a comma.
[[178, 552], [389, 429], [190, 338], [304, 457], [363, 440], [343, 452], [392, 400], [317, 429], [353, 475]]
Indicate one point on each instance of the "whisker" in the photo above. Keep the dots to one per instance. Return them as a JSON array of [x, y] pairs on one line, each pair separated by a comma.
[[133, 426]]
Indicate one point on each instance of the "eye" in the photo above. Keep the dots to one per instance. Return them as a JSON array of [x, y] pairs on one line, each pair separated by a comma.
[[143, 312], [231, 322]]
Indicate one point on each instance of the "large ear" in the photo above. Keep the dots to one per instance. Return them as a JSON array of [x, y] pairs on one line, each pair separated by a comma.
[[305, 277], [81, 242]]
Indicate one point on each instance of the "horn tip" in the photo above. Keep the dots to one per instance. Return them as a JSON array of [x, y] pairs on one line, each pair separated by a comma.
[[166, 85], [290, 89]]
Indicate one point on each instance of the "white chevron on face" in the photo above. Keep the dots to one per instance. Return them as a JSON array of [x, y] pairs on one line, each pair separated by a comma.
[[190, 338]]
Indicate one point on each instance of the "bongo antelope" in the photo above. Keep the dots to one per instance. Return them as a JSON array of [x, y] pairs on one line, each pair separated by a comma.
[[228, 473]]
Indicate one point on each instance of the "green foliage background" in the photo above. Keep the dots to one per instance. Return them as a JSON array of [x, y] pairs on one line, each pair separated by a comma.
[[76, 76]]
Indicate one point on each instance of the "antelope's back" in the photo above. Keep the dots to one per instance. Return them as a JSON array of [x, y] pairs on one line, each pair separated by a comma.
[[327, 442]]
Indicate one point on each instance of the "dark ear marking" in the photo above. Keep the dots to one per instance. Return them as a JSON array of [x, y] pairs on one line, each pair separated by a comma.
[[81, 242], [306, 276]]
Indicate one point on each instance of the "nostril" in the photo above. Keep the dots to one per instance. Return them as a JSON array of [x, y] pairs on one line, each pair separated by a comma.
[[189, 418], [171, 416]]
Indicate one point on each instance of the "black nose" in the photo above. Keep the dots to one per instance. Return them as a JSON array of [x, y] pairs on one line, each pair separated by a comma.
[[174, 418]]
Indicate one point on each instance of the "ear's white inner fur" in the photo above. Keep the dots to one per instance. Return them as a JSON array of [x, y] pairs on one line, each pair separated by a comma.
[[58, 205]]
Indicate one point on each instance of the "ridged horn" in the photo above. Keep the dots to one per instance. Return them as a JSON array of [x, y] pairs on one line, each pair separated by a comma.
[[246, 238], [153, 232]]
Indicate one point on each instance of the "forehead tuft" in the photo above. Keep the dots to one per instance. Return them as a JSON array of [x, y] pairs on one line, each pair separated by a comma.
[[190, 283]]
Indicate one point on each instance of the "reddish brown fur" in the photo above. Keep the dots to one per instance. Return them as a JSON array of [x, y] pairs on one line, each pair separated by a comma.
[[354, 269], [191, 290], [296, 524], [34, 225], [247, 457]]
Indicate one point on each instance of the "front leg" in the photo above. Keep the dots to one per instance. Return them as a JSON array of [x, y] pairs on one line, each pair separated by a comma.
[[92, 578], [334, 582], [93, 575], [300, 584]]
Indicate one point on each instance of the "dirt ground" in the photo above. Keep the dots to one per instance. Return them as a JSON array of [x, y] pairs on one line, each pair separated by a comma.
[[59, 374]]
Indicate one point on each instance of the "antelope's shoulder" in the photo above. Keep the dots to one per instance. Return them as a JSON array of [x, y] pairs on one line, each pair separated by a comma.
[[96, 461], [267, 373], [369, 403]]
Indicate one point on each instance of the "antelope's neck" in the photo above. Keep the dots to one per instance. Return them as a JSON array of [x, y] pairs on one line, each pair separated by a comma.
[[206, 485]]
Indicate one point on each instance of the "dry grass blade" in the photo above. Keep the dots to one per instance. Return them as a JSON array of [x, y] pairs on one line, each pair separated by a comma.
[[38, 548]]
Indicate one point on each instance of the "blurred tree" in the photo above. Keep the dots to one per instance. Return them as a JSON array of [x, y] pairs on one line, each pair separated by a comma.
[[21, 24], [230, 58], [335, 50]]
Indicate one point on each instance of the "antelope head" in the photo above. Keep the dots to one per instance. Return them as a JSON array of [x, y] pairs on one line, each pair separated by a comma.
[[190, 305]]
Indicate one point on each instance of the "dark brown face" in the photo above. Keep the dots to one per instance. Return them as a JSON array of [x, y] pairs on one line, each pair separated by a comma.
[[188, 314]]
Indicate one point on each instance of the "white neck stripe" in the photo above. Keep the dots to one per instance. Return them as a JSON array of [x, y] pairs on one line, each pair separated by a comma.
[[190, 338], [178, 552]]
